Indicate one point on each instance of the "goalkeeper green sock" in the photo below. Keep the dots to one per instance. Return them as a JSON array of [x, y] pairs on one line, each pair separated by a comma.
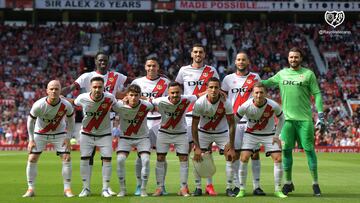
[[312, 163], [287, 161]]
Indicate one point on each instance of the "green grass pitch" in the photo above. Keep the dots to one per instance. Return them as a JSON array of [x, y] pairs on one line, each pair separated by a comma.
[[339, 180]]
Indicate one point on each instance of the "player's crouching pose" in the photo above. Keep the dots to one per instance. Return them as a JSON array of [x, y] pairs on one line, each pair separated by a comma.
[[95, 132], [260, 113], [135, 133], [213, 121], [46, 124], [173, 131]]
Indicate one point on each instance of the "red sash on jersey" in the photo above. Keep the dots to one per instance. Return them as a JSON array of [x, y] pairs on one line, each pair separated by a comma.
[[205, 76], [180, 109], [59, 115], [111, 81], [140, 115], [268, 112], [160, 88], [248, 84], [103, 108], [219, 114]]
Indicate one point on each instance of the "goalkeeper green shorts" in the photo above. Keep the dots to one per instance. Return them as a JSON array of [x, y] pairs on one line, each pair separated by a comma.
[[300, 132]]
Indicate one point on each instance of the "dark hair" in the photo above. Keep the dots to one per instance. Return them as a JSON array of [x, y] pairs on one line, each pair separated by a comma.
[[213, 79], [259, 85], [97, 78], [174, 84], [100, 53], [296, 49], [152, 58], [198, 45], [134, 88], [243, 52]]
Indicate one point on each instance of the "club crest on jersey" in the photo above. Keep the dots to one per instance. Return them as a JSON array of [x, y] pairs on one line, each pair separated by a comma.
[[266, 114], [248, 81], [111, 79], [301, 76], [141, 113], [205, 74], [159, 87], [60, 113], [104, 106], [181, 106]]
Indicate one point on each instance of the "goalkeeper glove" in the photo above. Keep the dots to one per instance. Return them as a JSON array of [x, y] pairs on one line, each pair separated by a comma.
[[320, 123]]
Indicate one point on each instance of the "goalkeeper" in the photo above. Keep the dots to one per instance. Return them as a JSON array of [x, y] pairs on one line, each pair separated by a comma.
[[297, 84]]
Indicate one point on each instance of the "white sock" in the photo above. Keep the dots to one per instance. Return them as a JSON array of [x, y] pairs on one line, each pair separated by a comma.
[[209, 181], [66, 173], [138, 167], [145, 170], [160, 173], [85, 173], [236, 165], [165, 172], [184, 173], [106, 174], [197, 179], [255, 166], [91, 166], [278, 174], [31, 173], [243, 174], [229, 174], [121, 158]]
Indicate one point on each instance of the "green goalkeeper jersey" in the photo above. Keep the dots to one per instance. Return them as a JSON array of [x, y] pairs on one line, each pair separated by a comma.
[[296, 88]]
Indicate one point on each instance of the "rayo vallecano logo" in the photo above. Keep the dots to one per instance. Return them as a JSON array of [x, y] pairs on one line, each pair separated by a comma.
[[334, 18]]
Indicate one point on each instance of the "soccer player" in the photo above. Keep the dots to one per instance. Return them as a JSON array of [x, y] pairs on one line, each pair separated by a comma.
[[95, 132], [135, 133], [213, 121], [46, 123], [173, 131], [152, 86], [260, 129], [297, 84], [238, 86], [194, 78], [114, 84]]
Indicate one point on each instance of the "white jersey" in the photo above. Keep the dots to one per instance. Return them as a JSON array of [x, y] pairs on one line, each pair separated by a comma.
[[194, 80], [114, 81], [152, 89], [133, 121], [96, 121], [239, 88], [50, 118], [212, 116], [261, 120], [173, 115]]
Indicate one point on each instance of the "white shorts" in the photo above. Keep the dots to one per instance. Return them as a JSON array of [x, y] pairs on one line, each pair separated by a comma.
[[87, 144], [206, 139], [153, 126], [126, 144], [250, 142], [239, 137], [188, 120], [180, 142], [56, 140]]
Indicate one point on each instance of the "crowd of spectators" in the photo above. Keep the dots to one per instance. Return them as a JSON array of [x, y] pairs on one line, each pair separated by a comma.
[[32, 55], [339, 84]]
